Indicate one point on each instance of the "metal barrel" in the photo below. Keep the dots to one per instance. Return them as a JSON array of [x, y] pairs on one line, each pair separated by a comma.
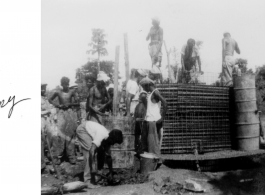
[[122, 154], [247, 117]]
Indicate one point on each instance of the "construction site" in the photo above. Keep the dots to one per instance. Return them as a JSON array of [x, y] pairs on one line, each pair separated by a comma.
[[211, 144], [166, 128], [211, 136]]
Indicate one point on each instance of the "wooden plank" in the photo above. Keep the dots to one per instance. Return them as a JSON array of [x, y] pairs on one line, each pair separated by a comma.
[[116, 82], [126, 56]]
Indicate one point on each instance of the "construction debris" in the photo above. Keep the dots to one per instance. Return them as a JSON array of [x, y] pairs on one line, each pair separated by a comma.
[[46, 190], [193, 186], [74, 186], [126, 176], [62, 188]]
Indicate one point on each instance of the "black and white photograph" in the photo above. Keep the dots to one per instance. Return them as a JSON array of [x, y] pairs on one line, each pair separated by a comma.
[[137, 97], [152, 97]]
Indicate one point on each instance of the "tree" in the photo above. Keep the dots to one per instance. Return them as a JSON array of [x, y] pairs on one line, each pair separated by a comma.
[[97, 43], [87, 75], [260, 87], [90, 70]]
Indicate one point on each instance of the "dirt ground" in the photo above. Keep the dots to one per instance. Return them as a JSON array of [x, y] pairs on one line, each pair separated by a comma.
[[166, 180]]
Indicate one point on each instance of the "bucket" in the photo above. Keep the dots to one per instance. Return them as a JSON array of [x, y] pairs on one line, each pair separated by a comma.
[[148, 163], [122, 154], [247, 118]]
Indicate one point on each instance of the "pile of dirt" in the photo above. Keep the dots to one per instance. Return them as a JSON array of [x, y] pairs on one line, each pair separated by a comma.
[[126, 176], [130, 177], [167, 187]]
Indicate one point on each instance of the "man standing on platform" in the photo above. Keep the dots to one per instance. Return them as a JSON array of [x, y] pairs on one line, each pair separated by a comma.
[[190, 59], [155, 46], [66, 121], [229, 45]]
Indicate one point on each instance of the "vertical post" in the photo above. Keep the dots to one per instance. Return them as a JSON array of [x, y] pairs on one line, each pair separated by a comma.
[[168, 63], [126, 56], [116, 82]]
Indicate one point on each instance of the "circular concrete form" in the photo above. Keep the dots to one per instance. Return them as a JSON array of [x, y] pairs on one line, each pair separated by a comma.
[[212, 155], [214, 161]]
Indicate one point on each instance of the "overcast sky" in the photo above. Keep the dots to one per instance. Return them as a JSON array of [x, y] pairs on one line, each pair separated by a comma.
[[67, 24]]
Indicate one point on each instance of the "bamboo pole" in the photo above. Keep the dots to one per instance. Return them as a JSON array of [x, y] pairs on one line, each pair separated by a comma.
[[168, 62], [116, 82], [126, 56]]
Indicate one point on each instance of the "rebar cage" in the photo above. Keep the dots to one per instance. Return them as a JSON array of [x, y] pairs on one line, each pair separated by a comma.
[[197, 118]]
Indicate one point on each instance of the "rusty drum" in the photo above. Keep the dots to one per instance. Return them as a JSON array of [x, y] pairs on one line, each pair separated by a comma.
[[247, 116], [122, 154]]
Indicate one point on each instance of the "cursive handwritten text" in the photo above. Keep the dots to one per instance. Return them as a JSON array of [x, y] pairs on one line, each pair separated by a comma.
[[12, 100]]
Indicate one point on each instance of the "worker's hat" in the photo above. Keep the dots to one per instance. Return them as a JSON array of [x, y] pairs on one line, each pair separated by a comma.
[[102, 76], [43, 85], [142, 72], [111, 86], [146, 81]]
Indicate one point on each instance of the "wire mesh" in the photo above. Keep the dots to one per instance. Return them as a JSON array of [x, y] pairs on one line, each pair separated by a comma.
[[197, 116]]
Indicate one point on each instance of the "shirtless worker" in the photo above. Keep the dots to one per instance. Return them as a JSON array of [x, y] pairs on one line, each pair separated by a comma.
[[229, 45], [151, 134], [97, 99], [76, 99], [190, 60], [155, 46], [96, 141], [66, 121]]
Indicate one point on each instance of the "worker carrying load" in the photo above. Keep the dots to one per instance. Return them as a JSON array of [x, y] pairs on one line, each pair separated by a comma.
[[155, 46]]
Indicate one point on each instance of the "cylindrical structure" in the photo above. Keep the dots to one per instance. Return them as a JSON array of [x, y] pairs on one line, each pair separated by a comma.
[[148, 163], [247, 116], [122, 154]]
